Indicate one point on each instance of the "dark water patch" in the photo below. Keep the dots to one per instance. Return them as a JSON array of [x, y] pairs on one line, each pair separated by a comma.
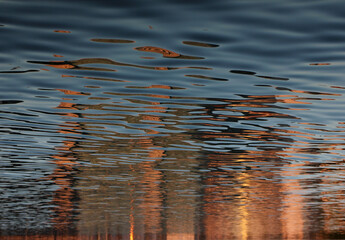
[[272, 78], [94, 78], [103, 40], [18, 113], [24, 71], [255, 74], [200, 44], [207, 77], [157, 86], [307, 92], [243, 72], [10, 101]]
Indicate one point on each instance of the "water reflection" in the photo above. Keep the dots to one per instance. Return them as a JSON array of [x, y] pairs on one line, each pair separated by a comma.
[[165, 52], [122, 184], [102, 40], [136, 170], [254, 73], [74, 64], [212, 139]]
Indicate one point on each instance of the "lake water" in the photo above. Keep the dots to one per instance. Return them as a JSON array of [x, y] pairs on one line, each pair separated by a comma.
[[172, 119]]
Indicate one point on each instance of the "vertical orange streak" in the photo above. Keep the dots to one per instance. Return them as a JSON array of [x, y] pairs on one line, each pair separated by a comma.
[[131, 215]]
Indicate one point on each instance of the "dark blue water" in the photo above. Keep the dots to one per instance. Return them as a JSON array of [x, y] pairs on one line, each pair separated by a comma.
[[172, 119]]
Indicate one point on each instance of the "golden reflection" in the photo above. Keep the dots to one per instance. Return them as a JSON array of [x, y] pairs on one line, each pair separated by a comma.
[[242, 204]]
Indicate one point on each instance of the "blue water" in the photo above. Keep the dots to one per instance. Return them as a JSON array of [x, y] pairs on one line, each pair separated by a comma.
[[172, 120]]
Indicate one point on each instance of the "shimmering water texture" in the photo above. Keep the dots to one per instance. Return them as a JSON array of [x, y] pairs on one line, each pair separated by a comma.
[[172, 120]]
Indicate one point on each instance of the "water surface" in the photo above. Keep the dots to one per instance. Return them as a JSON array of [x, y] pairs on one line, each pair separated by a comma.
[[172, 120]]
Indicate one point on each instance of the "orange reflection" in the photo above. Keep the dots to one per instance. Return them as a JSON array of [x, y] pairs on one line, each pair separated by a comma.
[[152, 178], [252, 192], [70, 92], [60, 64], [293, 204], [63, 175], [164, 52], [64, 211]]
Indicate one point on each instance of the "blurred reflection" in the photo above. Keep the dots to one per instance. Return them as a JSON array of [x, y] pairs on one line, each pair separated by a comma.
[[150, 165], [250, 194], [223, 121], [64, 199], [243, 196], [65, 196], [133, 184]]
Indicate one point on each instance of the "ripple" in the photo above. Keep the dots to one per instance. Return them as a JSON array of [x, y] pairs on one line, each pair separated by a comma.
[[200, 44], [221, 114], [24, 71], [103, 40], [165, 52], [254, 74], [10, 101]]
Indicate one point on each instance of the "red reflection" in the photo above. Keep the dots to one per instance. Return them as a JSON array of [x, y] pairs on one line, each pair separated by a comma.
[[62, 31]]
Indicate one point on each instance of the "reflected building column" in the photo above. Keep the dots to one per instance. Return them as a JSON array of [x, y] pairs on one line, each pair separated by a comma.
[[148, 222], [240, 203], [293, 203], [63, 176]]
